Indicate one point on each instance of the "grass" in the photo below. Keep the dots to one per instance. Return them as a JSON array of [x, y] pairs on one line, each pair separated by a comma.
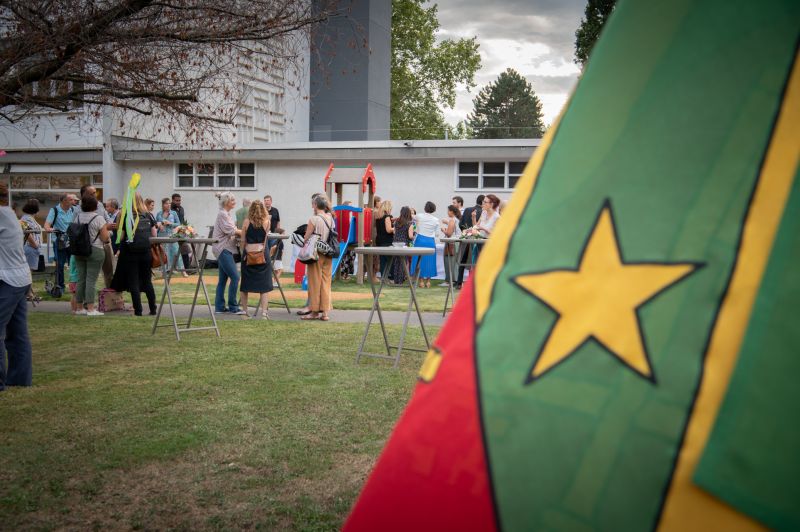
[[258, 429], [392, 298]]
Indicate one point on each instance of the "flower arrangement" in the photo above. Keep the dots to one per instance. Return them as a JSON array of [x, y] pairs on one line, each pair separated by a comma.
[[473, 233], [185, 231]]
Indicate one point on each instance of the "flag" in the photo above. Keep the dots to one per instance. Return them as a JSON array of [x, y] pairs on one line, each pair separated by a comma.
[[627, 355]]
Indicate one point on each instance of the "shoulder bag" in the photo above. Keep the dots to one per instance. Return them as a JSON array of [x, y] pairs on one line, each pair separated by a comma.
[[256, 253], [308, 253]]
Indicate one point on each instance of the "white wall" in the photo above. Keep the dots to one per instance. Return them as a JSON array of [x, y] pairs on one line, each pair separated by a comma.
[[291, 184], [75, 129]]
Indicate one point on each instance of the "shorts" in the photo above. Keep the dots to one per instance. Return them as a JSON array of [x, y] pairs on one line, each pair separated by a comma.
[[73, 287]]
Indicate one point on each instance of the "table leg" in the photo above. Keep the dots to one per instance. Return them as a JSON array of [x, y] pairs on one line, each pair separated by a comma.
[[453, 264], [280, 288], [167, 274], [201, 284], [413, 282], [375, 305]]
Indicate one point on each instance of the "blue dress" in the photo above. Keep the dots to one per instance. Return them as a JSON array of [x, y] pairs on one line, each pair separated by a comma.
[[428, 263]]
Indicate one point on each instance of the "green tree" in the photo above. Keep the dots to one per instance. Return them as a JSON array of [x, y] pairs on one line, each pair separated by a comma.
[[594, 18], [508, 108], [425, 73]]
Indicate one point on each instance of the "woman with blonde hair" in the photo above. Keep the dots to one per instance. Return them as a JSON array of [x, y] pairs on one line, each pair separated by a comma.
[[225, 232], [319, 273], [384, 232], [256, 266], [133, 273]]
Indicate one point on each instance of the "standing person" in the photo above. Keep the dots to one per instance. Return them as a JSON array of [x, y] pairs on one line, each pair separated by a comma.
[[384, 232], [150, 203], [112, 209], [15, 283], [57, 221], [225, 232], [134, 273], [489, 215], [167, 221], [426, 224], [458, 203], [241, 214], [465, 223], [275, 246], [451, 229], [89, 266], [256, 278], [33, 241], [371, 264], [186, 248], [319, 273], [403, 234]]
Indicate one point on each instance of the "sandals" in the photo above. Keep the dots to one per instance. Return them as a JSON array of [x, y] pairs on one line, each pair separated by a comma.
[[265, 315], [324, 318], [303, 312], [309, 317]]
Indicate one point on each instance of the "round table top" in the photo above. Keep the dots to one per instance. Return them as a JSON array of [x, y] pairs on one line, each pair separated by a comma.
[[395, 252], [172, 239], [478, 241], [277, 236]]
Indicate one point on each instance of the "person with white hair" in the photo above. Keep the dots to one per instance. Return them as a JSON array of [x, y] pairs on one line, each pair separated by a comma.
[[225, 232]]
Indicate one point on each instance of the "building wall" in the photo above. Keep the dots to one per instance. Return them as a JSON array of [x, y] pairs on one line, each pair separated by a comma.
[[291, 183], [349, 82]]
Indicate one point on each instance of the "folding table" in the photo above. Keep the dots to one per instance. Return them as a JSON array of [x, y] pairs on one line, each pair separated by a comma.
[[169, 269], [402, 254]]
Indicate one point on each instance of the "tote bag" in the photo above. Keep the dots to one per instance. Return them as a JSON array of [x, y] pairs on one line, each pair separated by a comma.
[[308, 253]]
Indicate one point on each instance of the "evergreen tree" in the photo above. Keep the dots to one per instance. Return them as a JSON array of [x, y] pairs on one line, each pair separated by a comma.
[[508, 108], [594, 18], [425, 73]]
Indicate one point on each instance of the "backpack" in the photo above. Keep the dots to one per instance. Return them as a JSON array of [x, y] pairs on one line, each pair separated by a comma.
[[141, 237], [330, 246], [80, 243]]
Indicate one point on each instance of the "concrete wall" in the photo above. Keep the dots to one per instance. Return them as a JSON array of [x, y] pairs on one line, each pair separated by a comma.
[[350, 84]]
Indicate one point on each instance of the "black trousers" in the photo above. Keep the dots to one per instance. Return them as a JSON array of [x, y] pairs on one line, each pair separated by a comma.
[[139, 278]]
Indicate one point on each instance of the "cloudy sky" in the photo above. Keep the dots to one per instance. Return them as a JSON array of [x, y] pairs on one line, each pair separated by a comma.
[[534, 37]]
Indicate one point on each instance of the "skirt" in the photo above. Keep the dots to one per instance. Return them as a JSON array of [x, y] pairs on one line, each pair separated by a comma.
[[428, 265], [257, 278]]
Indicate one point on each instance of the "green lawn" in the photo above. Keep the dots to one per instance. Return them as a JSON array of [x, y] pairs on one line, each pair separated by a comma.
[[258, 429], [392, 298]]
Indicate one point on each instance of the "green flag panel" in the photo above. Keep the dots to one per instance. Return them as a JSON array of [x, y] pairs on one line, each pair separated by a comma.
[[669, 124], [745, 462]]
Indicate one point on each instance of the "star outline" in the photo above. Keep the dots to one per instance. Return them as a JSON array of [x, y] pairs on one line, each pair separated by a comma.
[[697, 265]]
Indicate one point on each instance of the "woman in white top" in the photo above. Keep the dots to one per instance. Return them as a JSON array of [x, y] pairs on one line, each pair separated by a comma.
[[89, 267], [489, 216], [427, 224]]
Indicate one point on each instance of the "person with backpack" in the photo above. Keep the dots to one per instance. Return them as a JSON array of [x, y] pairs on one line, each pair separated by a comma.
[[57, 221], [134, 272], [87, 233], [319, 272]]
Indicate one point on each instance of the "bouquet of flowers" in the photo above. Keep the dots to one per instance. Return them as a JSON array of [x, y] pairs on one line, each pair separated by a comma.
[[473, 233], [185, 231]]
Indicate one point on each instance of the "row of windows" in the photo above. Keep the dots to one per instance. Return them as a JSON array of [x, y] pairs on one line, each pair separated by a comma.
[[477, 175], [486, 174], [215, 175]]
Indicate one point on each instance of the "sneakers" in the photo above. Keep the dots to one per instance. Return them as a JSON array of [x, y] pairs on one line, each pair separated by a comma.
[[94, 313], [80, 312], [241, 312]]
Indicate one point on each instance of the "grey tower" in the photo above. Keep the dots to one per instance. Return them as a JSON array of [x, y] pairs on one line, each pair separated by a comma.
[[350, 82]]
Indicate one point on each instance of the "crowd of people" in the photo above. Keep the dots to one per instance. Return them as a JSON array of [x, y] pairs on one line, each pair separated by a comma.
[[424, 229]]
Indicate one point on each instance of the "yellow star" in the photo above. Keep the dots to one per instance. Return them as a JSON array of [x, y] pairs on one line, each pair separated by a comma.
[[600, 300]]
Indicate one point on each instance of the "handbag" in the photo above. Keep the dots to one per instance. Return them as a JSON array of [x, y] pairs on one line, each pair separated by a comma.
[[157, 256], [308, 253], [330, 246], [255, 253]]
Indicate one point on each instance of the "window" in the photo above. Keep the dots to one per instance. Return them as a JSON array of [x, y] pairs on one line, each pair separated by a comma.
[[215, 175], [489, 174]]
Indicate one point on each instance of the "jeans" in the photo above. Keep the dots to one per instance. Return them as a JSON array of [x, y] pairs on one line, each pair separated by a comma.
[[62, 259], [227, 271], [14, 338], [88, 270]]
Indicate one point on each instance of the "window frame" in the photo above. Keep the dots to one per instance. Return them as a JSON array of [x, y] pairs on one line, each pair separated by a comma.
[[507, 175], [237, 175]]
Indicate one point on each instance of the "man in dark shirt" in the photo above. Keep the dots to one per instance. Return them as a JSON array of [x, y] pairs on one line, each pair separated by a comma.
[[185, 248], [275, 227], [465, 223]]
